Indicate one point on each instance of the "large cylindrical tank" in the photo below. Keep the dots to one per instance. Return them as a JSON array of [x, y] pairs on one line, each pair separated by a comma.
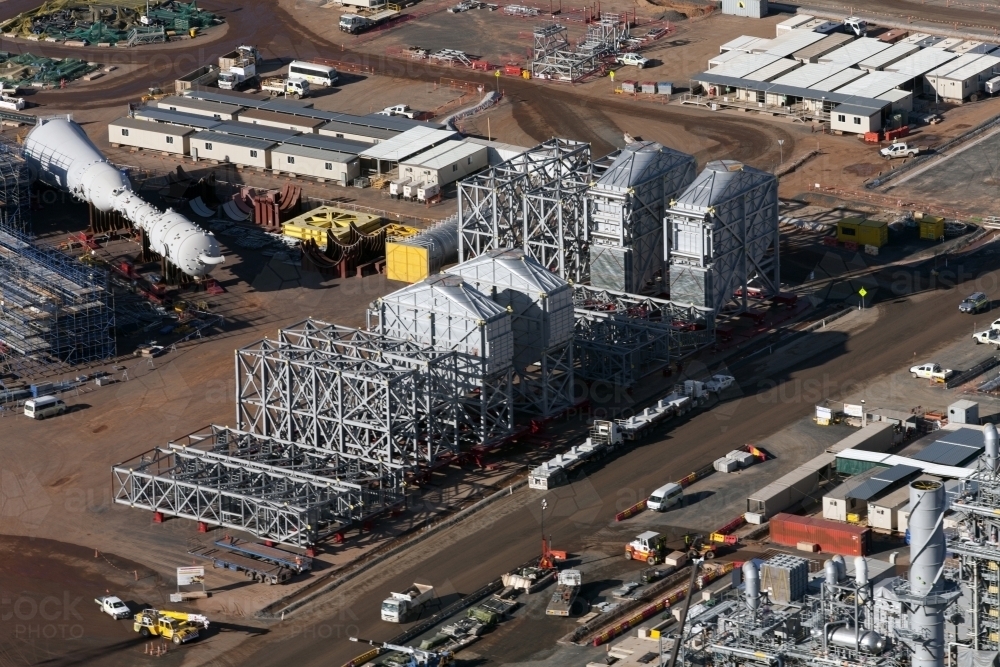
[[866, 640], [60, 154], [927, 553], [992, 442], [751, 584]]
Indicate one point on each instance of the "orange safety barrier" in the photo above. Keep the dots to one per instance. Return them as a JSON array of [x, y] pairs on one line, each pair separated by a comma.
[[635, 509]]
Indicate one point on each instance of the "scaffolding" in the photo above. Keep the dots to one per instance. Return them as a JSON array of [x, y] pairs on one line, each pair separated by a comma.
[[536, 200], [552, 56], [273, 489], [53, 309], [15, 189]]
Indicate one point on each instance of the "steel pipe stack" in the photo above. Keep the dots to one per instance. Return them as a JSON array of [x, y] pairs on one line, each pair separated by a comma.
[[927, 554]]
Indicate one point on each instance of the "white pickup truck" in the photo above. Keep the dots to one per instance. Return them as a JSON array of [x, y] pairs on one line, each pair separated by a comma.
[[399, 110], [113, 606], [719, 383], [990, 337], [899, 150], [633, 59], [930, 371]]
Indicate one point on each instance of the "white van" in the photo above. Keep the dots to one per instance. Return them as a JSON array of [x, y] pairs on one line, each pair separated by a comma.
[[318, 75], [665, 497], [44, 406]]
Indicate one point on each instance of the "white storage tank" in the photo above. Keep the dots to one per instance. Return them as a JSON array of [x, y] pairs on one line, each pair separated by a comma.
[[755, 9], [448, 313]]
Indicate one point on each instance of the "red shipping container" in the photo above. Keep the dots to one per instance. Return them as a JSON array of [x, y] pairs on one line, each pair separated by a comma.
[[831, 536]]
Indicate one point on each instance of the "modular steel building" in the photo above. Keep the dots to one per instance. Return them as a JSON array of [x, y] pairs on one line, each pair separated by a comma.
[[344, 130], [803, 483], [754, 9], [816, 50], [962, 78], [888, 57], [154, 136], [157, 115], [855, 52], [232, 148], [321, 164], [444, 163], [497, 152], [385, 156], [216, 110], [280, 120]]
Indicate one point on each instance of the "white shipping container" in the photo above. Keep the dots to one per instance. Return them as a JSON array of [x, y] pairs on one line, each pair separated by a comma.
[[993, 85], [726, 465]]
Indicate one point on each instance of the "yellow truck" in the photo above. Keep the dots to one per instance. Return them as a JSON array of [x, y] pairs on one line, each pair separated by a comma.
[[177, 626]]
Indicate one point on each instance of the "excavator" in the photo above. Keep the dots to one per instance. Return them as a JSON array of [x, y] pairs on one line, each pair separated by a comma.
[[418, 657], [177, 626]]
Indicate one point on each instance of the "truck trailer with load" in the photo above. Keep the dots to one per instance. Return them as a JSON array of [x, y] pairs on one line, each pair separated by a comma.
[[260, 571], [176, 626], [356, 24], [279, 85], [567, 588], [402, 607], [418, 657], [238, 68]]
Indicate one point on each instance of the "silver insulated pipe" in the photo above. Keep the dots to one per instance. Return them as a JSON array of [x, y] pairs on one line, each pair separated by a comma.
[[992, 442], [751, 584], [60, 154], [927, 554], [860, 571]]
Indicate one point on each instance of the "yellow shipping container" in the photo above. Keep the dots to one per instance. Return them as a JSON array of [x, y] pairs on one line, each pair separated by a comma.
[[931, 228], [863, 232], [406, 263]]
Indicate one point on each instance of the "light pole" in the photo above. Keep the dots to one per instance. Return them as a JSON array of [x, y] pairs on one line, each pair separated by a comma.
[[781, 151], [864, 418], [545, 505]]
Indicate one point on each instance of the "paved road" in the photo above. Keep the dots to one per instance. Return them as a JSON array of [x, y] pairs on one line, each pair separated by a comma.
[[922, 324]]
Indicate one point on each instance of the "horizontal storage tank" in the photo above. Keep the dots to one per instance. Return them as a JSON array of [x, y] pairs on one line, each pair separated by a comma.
[[837, 538], [540, 302], [447, 313]]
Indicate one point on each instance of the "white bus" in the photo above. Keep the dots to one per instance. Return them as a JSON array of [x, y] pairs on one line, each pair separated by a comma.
[[318, 75]]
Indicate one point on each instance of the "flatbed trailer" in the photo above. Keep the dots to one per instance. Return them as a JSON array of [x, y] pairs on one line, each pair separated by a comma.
[[292, 561], [561, 603], [269, 573]]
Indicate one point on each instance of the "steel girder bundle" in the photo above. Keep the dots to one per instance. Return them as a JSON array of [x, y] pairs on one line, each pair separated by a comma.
[[447, 378], [536, 200], [688, 326], [272, 489], [363, 408]]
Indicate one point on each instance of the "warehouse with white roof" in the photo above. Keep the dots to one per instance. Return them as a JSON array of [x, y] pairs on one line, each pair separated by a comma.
[[445, 163], [383, 157], [963, 77]]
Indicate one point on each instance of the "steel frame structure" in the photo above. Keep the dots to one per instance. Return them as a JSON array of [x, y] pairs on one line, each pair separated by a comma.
[[273, 489], [618, 349], [364, 409], [54, 308], [15, 189], [536, 200], [552, 57]]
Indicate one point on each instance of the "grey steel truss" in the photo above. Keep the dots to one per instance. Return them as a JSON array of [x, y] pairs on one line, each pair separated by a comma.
[[621, 337], [552, 57], [270, 488], [536, 200]]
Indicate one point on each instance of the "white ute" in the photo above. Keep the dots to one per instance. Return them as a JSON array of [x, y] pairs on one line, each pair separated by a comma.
[[398, 110], [633, 59], [113, 606], [930, 371], [990, 337], [899, 150], [719, 383]]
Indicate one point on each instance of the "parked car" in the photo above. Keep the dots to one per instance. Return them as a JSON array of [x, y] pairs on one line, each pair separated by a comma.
[[974, 303], [930, 371], [991, 337], [633, 59]]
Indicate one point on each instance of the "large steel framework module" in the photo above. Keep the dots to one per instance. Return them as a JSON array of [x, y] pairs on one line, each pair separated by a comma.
[[270, 488], [445, 313], [628, 204], [536, 200], [541, 308], [722, 232], [552, 57]]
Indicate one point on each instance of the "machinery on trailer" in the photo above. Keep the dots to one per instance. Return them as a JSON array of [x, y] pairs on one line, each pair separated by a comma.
[[177, 626], [260, 571], [567, 588], [418, 657]]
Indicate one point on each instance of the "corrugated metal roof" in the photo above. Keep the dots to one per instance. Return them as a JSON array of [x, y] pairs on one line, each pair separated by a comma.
[[640, 161], [723, 58], [796, 21], [874, 84], [966, 46], [889, 460], [915, 37], [789, 42], [774, 70], [720, 181], [953, 448], [855, 52], [970, 437], [508, 268], [841, 78], [444, 154], [176, 117], [883, 480], [248, 100], [822, 47], [263, 132], [192, 103], [985, 48], [895, 95], [408, 143], [931, 40], [745, 64], [400, 123], [856, 110], [735, 44], [328, 143], [810, 74], [896, 473], [975, 68], [251, 115], [148, 126], [233, 140], [921, 62], [363, 130], [952, 44], [773, 88], [957, 63], [889, 56], [316, 153]]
